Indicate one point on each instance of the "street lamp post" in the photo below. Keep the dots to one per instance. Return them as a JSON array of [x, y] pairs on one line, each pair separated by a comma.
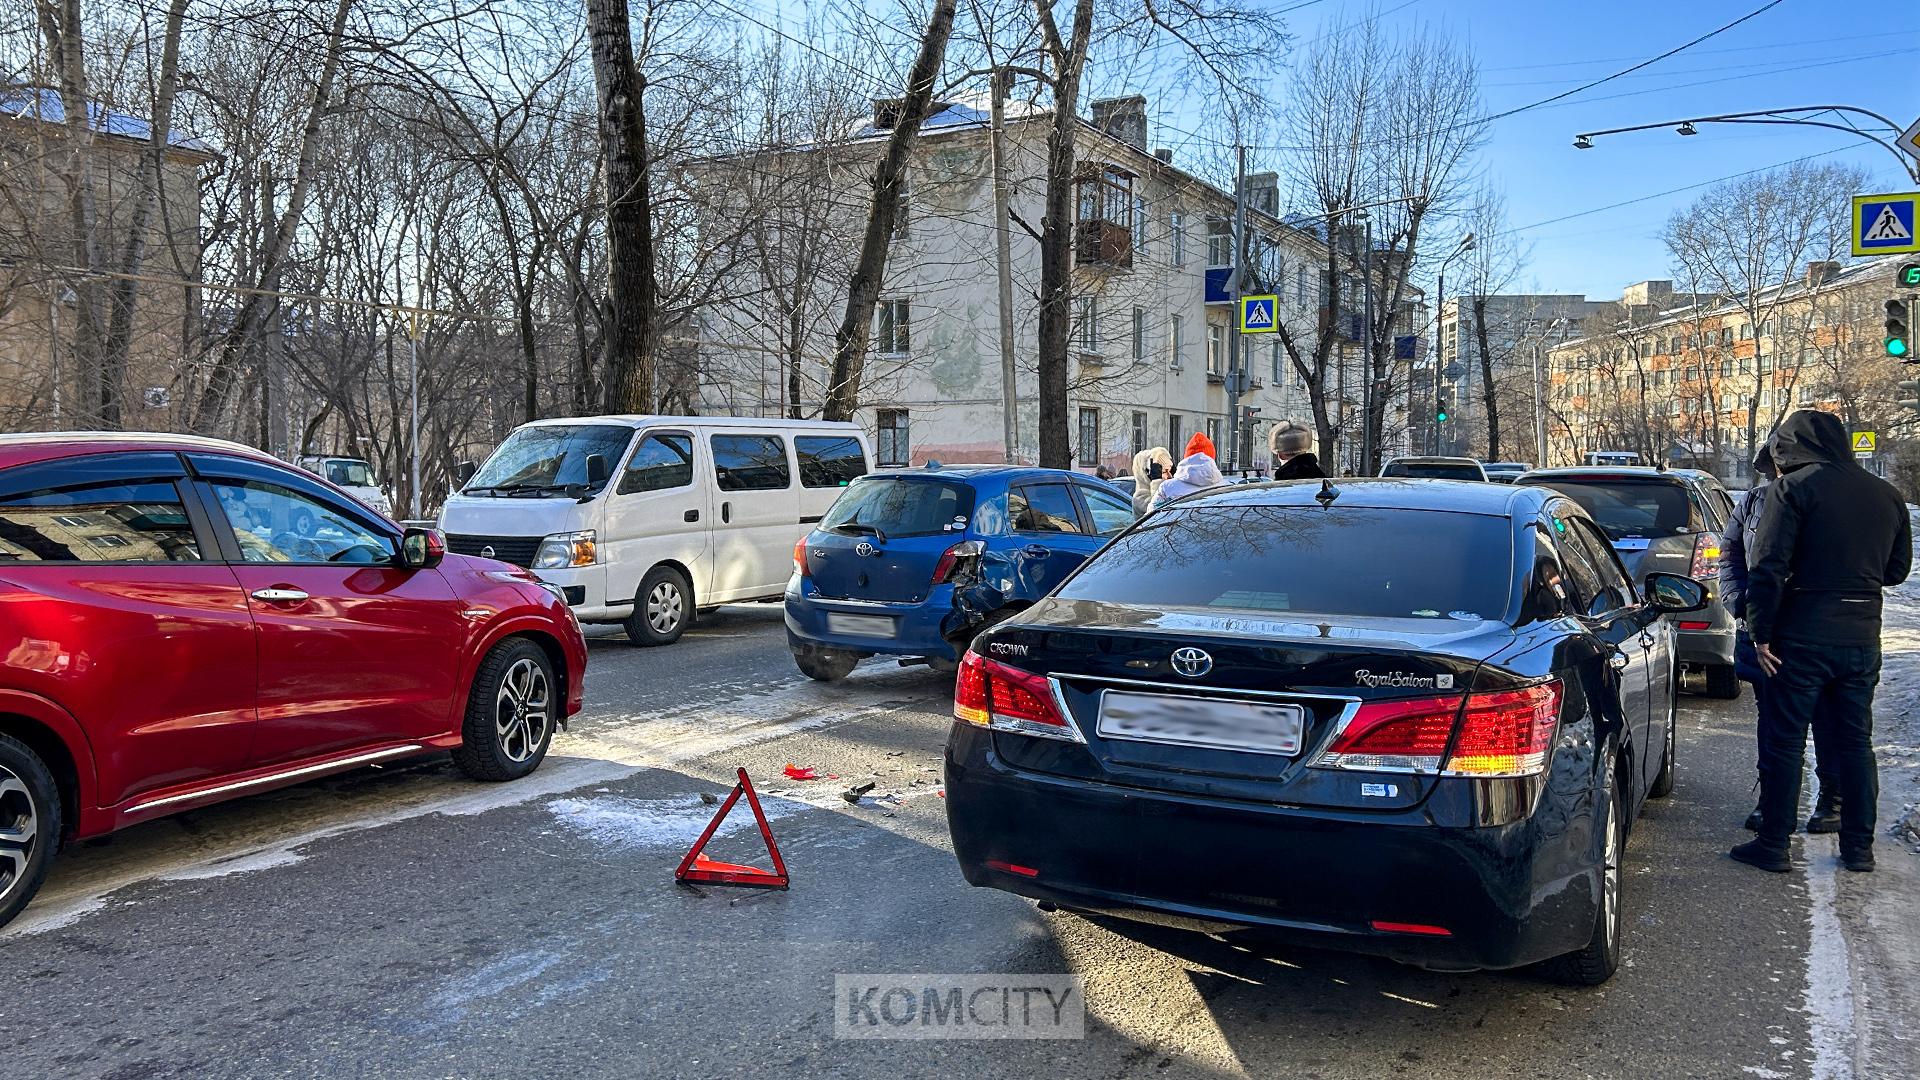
[[1440, 336], [1798, 116]]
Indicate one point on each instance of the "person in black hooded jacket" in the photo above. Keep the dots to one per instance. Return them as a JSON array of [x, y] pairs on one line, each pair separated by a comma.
[[1831, 536]]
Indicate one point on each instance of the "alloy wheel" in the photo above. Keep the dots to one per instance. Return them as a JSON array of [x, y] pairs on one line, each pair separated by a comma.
[[665, 607], [19, 831], [1610, 880], [521, 710]]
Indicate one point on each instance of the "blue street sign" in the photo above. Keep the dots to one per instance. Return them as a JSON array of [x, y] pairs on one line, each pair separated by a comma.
[[1257, 314], [1884, 224]]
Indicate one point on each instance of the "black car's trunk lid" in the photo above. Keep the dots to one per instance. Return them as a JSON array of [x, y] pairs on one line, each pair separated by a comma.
[[1114, 664]]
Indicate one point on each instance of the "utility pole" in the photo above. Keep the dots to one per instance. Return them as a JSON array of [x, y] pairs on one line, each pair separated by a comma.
[[274, 404], [1236, 286], [1003, 257], [1367, 464], [413, 382]]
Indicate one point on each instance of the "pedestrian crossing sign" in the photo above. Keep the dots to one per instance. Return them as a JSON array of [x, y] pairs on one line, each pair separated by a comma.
[[1863, 442], [1884, 224], [1257, 314]]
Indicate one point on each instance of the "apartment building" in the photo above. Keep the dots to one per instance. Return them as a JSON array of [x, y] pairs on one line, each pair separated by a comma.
[[1152, 321], [1701, 384]]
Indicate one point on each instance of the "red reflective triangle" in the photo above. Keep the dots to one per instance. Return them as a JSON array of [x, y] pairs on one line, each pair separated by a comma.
[[696, 867]]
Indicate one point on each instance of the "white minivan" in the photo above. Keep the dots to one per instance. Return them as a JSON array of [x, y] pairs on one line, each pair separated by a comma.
[[642, 520]]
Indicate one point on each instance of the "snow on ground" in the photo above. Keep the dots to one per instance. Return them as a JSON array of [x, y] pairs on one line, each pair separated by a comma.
[[1896, 719]]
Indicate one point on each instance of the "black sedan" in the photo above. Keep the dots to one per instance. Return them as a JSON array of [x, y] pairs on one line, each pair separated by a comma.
[[1414, 718]]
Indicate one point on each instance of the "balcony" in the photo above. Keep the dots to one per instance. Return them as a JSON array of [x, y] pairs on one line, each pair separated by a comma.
[[1103, 243], [1103, 235]]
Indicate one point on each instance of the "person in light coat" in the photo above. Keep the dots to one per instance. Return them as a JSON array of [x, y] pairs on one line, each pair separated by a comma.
[[1145, 480], [1197, 471]]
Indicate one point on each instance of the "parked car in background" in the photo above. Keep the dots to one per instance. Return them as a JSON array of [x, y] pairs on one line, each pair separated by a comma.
[[1614, 457], [352, 475], [643, 520], [1505, 472], [914, 563], [1434, 468], [189, 620], [1415, 720], [1667, 520]]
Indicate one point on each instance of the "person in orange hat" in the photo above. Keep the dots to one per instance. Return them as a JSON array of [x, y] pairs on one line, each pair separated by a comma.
[[1197, 471]]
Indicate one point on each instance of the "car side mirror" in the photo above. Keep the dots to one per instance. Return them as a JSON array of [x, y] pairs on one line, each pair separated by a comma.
[[597, 472], [464, 471], [422, 549], [1671, 594]]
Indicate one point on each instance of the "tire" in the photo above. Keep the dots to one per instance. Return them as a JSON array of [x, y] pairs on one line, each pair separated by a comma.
[[511, 713], [1722, 683], [1663, 782], [303, 522], [1596, 962], [29, 825], [662, 608], [825, 665]]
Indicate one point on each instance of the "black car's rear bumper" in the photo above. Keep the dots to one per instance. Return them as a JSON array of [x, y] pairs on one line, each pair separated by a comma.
[[1508, 895]]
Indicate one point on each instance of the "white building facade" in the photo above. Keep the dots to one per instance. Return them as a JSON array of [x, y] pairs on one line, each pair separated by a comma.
[[1152, 328]]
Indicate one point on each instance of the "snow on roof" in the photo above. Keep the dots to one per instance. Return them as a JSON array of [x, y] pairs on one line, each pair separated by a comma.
[[46, 106]]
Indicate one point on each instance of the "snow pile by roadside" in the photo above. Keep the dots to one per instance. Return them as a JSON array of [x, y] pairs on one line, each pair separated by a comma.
[[1896, 714]]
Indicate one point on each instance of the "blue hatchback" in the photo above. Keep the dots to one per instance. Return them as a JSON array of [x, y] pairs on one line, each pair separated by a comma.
[[914, 563]]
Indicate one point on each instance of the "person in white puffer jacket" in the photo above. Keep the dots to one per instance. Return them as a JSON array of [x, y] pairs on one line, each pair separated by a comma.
[[1197, 471]]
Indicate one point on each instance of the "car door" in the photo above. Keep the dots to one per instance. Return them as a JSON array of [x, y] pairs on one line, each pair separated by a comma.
[[119, 610], [1611, 610], [354, 649], [757, 506], [656, 513], [1656, 637], [1050, 539], [1104, 513]]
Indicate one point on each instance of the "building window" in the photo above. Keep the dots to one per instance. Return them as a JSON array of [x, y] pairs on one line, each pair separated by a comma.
[[1746, 331], [1089, 438], [902, 207], [1177, 228], [1273, 347], [1088, 316], [1139, 333], [1140, 224], [893, 447], [1726, 335], [1139, 433], [1177, 341], [1216, 348], [890, 327], [1176, 431], [1219, 244], [1213, 431], [1766, 363], [1302, 285]]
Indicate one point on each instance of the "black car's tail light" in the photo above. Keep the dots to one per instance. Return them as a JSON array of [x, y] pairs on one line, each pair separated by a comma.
[[955, 557], [990, 694], [1502, 733], [1706, 556]]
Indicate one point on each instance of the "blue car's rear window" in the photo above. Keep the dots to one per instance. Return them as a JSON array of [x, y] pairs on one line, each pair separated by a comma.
[[902, 506]]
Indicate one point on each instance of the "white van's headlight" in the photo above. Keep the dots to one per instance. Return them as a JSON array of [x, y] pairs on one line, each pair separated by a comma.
[[562, 550]]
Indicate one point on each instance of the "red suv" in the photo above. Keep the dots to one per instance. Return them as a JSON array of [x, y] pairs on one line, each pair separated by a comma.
[[186, 620]]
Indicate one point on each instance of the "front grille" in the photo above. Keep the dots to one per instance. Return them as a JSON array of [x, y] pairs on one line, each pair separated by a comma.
[[517, 550]]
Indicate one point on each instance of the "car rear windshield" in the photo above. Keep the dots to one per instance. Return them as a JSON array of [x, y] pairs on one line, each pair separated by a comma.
[[1423, 564], [898, 506], [350, 473], [1431, 470], [548, 457], [1631, 508]]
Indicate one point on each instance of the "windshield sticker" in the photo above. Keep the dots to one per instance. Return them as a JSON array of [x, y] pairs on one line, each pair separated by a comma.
[[1427, 613], [1398, 679], [1465, 616]]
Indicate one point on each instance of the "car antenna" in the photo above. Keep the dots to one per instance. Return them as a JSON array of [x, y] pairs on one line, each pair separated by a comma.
[[1327, 492]]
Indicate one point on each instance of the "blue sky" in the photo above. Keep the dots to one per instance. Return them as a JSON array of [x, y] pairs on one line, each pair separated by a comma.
[[1846, 52]]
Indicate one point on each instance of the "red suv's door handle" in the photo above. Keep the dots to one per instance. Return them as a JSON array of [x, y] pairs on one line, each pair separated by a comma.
[[279, 596]]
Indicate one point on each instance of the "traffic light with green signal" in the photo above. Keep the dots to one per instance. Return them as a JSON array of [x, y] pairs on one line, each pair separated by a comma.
[[1443, 411], [1899, 337], [1909, 276], [1909, 394]]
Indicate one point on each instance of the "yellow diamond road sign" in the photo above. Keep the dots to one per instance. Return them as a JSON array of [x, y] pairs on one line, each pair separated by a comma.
[[1863, 442]]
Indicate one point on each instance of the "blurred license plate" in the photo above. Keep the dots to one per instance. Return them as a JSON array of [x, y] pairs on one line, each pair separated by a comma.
[[864, 625], [1228, 725]]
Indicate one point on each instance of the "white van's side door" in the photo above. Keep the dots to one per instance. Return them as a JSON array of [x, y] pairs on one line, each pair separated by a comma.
[[756, 513], [828, 463], [657, 512]]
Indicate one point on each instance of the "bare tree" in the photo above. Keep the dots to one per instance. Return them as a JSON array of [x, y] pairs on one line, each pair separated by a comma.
[[1490, 268]]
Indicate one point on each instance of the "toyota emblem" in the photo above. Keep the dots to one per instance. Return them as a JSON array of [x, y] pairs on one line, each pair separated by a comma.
[[487, 552], [863, 548], [1192, 662]]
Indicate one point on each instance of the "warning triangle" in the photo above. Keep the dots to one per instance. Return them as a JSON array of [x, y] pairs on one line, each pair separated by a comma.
[[1863, 440], [696, 867], [1888, 226]]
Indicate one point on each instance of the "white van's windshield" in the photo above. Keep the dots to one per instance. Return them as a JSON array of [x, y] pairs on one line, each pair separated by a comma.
[[549, 458], [348, 472]]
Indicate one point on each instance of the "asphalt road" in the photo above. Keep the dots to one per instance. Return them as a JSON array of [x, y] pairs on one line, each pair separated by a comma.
[[406, 922]]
